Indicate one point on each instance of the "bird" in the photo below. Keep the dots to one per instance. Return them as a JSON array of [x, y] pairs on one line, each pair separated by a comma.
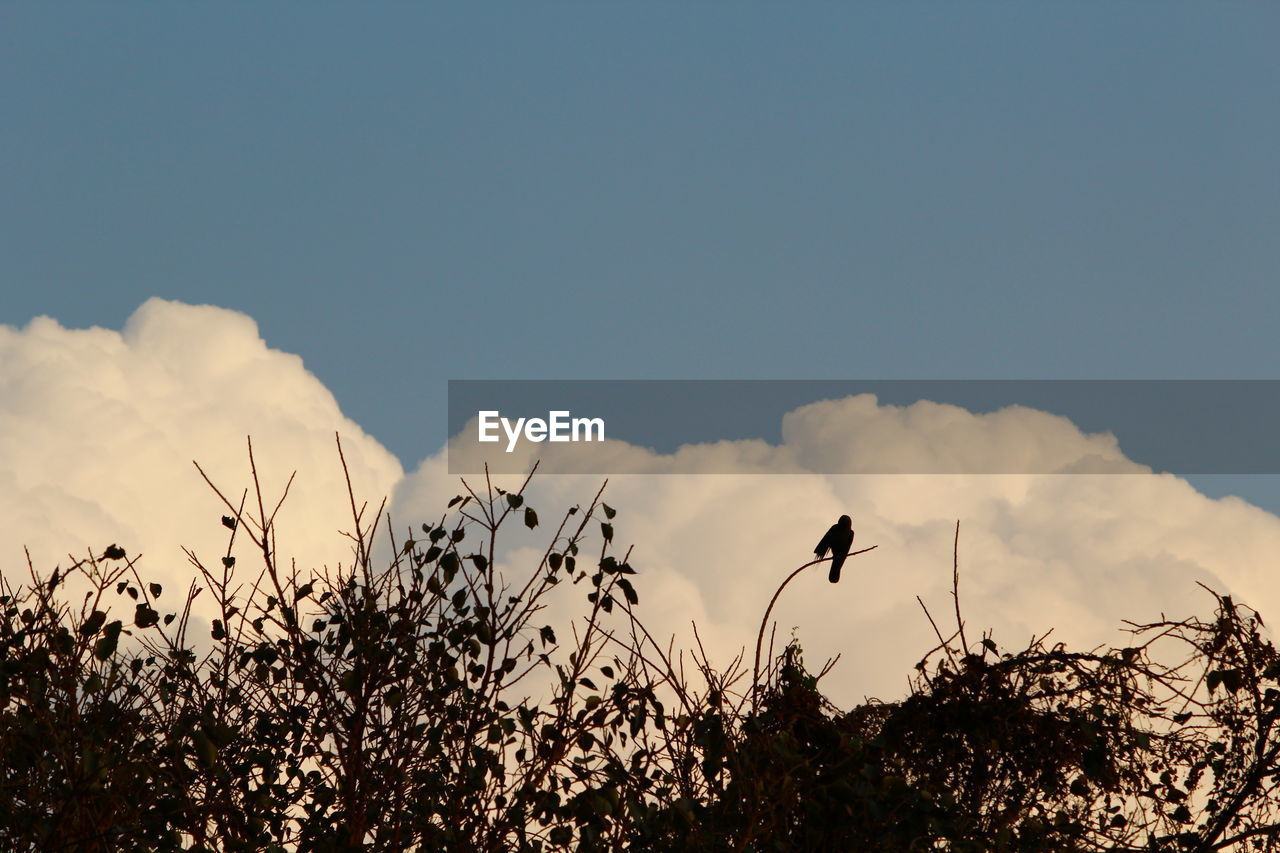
[[838, 540]]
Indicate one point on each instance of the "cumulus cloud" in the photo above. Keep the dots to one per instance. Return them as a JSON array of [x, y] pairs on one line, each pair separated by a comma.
[[98, 429], [1077, 552]]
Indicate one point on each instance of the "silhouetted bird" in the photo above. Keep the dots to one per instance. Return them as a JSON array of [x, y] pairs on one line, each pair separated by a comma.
[[838, 540]]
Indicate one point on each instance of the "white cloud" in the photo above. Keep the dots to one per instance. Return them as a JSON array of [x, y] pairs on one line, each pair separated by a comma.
[[98, 429], [1077, 553]]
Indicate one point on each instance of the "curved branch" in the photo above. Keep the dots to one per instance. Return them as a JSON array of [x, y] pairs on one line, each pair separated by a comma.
[[755, 672]]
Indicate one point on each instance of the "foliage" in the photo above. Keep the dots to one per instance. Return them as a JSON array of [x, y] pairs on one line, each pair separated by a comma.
[[432, 703]]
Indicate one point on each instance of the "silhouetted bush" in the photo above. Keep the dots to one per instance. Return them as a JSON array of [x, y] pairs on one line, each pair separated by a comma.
[[429, 704]]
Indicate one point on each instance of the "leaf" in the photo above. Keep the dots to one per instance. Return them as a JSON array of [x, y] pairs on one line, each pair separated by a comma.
[[144, 616], [629, 591], [155, 590], [1232, 679], [609, 512], [554, 561], [449, 564], [348, 682], [228, 562], [113, 552], [205, 750], [481, 561], [303, 592], [530, 518], [228, 522], [514, 501], [106, 645], [607, 531], [93, 624], [547, 634], [456, 500]]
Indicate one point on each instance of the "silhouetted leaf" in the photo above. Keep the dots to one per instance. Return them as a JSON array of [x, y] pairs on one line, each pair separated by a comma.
[[204, 749], [144, 616], [106, 645], [94, 623]]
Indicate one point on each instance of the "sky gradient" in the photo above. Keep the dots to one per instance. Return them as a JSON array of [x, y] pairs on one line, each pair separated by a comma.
[[383, 197], [404, 194]]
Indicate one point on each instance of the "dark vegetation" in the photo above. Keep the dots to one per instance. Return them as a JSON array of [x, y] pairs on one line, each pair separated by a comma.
[[431, 703]]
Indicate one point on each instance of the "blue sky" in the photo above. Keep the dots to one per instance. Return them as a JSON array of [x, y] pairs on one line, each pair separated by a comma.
[[408, 193]]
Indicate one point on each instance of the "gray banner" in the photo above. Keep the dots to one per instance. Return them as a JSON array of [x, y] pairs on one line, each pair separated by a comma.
[[1186, 427]]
